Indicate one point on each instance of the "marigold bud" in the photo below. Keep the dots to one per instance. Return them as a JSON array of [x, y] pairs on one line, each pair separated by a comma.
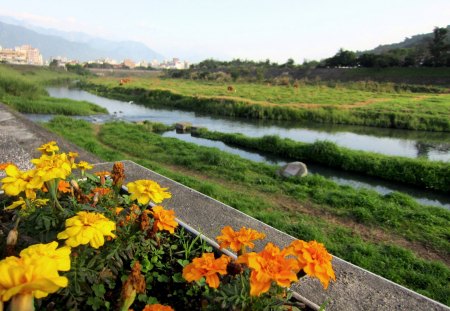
[[12, 237]]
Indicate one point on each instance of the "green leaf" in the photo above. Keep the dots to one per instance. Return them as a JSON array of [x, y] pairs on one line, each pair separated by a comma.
[[92, 177], [178, 278], [183, 262], [99, 290], [163, 278]]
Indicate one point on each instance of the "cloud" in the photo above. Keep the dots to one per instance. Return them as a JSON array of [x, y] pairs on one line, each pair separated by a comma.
[[67, 24]]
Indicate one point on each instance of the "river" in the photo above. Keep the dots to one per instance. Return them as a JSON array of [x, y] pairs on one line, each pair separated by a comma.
[[434, 146]]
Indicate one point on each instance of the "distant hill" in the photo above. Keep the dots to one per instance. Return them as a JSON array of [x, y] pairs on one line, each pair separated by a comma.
[[54, 43], [417, 41]]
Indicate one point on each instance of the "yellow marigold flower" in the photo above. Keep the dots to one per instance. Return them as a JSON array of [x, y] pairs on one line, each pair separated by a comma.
[[86, 228], [52, 167], [29, 275], [49, 147], [19, 203], [60, 257], [145, 190], [267, 266], [23, 204], [72, 155], [314, 259], [17, 181], [157, 307], [164, 219], [238, 240], [206, 266], [83, 165]]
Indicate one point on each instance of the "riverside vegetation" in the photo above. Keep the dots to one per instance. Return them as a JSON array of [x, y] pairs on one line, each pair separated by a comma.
[[22, 87], [418, 172], [354, 224], [360, 103]]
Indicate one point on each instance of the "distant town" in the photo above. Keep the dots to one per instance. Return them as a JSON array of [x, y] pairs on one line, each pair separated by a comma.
[[27, 55]]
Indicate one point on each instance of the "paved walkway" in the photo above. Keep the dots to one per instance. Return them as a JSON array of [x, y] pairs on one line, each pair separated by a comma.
[[20, 137]]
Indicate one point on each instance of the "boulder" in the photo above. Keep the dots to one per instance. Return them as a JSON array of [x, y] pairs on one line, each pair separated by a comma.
[[294, 169], [182, 127]]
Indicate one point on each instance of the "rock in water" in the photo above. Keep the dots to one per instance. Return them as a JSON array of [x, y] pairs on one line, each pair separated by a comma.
[[294, 169], [182, 127]]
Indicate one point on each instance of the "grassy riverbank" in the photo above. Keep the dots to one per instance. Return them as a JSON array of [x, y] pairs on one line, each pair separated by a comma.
[[23, 88], [354, 224], [358, 103], [418, 172]]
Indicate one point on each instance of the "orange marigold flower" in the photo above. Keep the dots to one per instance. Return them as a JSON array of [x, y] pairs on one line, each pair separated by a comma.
[[206, 266], [144, 222], [238, 240], [4, 165], [102, 173], [267, 266], [118, 210], [314, 259], [63, 186], [134, 284], [157, 307], [118, 174], [101, 191], [164, 219]]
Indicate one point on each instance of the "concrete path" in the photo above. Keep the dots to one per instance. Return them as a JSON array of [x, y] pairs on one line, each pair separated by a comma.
[[20, 137]]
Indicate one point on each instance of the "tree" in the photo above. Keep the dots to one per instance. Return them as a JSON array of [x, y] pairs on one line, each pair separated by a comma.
[[439, 48], [54, 64], [343, 58]]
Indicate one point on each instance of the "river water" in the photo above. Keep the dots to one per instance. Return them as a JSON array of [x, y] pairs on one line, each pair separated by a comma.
[[434, 146]]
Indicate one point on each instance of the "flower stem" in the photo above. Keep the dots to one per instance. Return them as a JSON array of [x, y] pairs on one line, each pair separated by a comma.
[[52, 186], [22, 302]]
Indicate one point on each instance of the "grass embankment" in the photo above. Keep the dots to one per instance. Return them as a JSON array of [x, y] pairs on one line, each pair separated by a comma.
[[418, 172], [390, 235], [23, 89], [358, 103]]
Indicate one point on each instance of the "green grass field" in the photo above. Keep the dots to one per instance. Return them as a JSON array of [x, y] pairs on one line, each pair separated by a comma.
[[23, 88], [364, 103], [354, 224]]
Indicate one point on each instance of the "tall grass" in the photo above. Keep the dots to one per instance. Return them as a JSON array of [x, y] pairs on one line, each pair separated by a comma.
[[23, 89], [59, 106]]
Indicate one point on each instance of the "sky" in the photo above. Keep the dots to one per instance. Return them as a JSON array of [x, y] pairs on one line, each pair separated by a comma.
[[245, 29]]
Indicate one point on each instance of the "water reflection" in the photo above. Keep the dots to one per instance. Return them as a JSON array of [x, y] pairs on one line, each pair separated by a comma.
[[386, 141]]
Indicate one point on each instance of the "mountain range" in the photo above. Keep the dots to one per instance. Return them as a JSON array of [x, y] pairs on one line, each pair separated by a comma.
[[417, 41], [73, 45]]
